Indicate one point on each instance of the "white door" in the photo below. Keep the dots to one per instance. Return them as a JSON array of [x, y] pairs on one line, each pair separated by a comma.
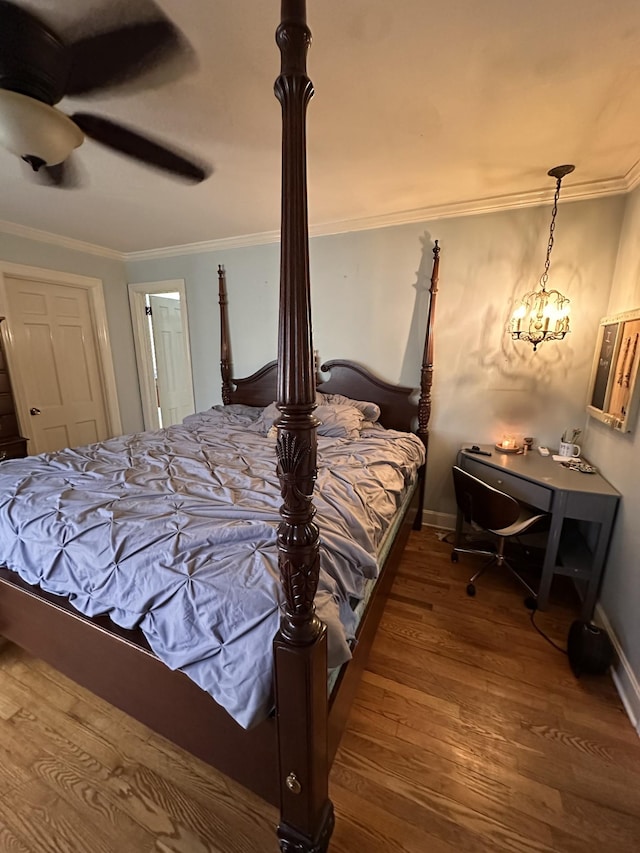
[[164, 365], [173, 371], [54, 343]]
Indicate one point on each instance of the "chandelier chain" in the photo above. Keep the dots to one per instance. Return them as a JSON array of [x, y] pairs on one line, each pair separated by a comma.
[[545, 275]]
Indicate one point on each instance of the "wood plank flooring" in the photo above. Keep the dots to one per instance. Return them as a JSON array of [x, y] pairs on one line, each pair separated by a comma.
[[469, 734]]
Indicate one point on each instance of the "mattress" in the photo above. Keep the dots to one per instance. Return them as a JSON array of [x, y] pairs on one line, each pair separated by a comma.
[[359, 606], [174, 531]]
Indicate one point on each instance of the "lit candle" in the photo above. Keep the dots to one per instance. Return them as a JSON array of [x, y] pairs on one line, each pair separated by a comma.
[[518, 316]]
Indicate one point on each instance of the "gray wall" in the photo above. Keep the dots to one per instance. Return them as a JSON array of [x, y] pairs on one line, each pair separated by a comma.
[[20, 250], [369, 304], [252, 281], [618, 457]]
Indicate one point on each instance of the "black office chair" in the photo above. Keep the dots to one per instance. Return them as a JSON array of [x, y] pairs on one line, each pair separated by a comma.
[[482, 506]]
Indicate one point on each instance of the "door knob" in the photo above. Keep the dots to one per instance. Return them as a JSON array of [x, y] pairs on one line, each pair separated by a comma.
[[34, 411]]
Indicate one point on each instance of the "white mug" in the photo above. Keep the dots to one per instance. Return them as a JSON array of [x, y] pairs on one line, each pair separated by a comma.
[[569, 449]]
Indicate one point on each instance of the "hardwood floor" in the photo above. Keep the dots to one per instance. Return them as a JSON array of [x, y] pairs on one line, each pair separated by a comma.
[[469, 734]]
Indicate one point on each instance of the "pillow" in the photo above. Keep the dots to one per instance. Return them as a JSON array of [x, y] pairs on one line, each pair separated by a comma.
[[264, 423], [235, 413], [336, 421], [370, 411], [339, 421]]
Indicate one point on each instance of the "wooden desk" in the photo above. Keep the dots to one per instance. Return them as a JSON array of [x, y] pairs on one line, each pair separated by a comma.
[[566, 494]]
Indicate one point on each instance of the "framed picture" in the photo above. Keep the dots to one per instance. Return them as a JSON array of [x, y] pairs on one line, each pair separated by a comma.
[[613, 392]]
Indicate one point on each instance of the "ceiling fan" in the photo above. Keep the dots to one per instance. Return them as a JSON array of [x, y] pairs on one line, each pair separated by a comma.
[[37, 69]]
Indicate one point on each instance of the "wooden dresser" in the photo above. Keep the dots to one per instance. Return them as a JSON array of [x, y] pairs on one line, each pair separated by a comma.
[[12, 445]]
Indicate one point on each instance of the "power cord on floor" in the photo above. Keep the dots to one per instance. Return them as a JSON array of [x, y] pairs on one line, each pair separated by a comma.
[[531, 604]]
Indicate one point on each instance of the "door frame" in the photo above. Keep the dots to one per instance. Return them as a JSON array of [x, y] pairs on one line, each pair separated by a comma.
[[142, 341], [95, 292]]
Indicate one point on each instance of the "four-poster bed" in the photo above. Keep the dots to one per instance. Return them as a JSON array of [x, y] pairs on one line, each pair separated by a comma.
[[286, 757]]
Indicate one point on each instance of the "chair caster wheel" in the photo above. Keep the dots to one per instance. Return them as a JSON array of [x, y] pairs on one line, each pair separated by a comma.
[[454, 557], [471, 590]]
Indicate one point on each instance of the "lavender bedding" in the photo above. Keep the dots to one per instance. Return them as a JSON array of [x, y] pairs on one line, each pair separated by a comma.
[[174, 531]]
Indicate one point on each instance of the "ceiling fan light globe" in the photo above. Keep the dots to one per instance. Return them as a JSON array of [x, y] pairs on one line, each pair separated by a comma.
[[31, 129]]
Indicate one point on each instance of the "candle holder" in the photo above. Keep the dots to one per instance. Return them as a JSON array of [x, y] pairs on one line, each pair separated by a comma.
[[508, 444]]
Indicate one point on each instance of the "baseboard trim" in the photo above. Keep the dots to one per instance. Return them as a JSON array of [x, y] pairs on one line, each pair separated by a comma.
[[446, 520], [623, 676]]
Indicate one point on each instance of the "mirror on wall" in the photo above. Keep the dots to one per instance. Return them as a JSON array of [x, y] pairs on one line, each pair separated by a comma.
[[613, 391], [163, 355]]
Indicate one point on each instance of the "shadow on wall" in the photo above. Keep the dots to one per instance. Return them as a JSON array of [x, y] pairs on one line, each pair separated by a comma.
[[412, 361], [509, 364], [490, 357], [513, 270]]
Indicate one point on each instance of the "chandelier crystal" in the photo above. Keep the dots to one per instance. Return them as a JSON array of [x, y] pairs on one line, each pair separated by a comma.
[[543, 315]]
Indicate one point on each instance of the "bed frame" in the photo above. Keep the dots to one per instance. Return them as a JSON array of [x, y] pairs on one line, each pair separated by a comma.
[[286, 759]]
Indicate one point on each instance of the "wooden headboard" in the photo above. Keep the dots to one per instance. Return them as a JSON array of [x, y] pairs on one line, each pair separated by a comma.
[[401, 407], [259, 389], [398, 404]]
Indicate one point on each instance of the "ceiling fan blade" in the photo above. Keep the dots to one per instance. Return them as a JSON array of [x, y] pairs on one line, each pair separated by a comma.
[[120, 55], [33, 60], [141, 148]]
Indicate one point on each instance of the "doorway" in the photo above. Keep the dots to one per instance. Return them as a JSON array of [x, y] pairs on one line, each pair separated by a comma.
[[163, 352], [59, 358]]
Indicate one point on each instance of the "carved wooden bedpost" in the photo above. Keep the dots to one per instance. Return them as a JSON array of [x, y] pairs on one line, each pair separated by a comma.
[[426, 377], [300, 647], [225, 338]]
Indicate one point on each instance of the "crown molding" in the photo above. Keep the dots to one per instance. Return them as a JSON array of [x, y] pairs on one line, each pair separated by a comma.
[[28, 233], [632, 177], [223, 244], [511, 201]]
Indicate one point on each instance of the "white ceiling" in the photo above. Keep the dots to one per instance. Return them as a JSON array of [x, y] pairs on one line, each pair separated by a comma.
[[419, 105]]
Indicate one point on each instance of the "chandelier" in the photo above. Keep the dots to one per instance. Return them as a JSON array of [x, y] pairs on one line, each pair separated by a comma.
[[543, 315]]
